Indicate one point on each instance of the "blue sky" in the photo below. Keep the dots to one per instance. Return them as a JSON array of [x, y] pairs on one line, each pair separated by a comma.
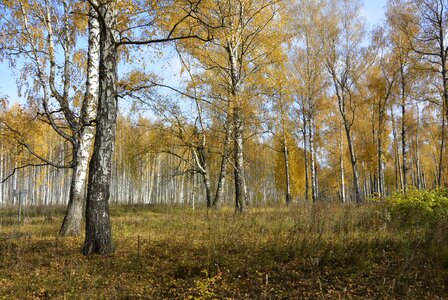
[[372, 11]]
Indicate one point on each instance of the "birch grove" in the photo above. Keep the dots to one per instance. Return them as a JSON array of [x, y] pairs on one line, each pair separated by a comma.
[[275, 101]]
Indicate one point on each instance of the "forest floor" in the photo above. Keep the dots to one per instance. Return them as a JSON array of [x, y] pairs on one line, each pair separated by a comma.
[[330, 251]]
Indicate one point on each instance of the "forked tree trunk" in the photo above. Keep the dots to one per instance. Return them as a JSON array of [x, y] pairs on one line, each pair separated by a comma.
[[225, 157], [71, 226], [201, 161], [98, 237]]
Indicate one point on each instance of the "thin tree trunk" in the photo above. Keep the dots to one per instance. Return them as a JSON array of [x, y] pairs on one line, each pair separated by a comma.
[[288, 197], [397, 164], [240, 180], [305, 155], [380, 153], [403, 131], [225, 156], [287, 175], [1, 169], [441, 152], [201, 161], [354, 164], [403, 148], [14, 186], [341, 162], [313, 161], [417, 152]]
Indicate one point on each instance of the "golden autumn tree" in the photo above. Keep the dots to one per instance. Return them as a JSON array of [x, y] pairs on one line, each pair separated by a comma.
[[245, 43], [346, 62], [42, 39]]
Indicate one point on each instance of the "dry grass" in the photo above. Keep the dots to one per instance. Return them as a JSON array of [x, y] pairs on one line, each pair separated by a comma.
[[329, 251]]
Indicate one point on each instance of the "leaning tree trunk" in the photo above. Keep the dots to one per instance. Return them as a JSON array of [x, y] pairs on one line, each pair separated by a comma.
[[98, 229], [71, 226]]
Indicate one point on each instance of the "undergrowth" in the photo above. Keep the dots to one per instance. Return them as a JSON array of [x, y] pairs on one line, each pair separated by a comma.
[[300, 252]]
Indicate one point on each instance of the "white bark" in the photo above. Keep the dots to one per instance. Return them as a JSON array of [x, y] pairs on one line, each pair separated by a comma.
[[73, 217], [341, 161], [98, 237]]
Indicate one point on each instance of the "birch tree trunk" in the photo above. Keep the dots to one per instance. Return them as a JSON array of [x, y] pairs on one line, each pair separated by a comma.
[[71, 226], [305, 155], [1, 169], [354, 164], [417, 152], [441, 152], [98, 237], [312, 161], [238, 129], [287, 175], [201, 162], [288, 197], [341, 162], [225, 156], [403, 129], [240, 180], [404, 169], [380, 152]]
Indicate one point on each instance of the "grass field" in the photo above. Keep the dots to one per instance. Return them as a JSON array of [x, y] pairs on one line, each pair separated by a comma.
[[301, 252]]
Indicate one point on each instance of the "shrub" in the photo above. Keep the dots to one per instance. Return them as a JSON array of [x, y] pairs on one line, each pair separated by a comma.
[[418, 207]]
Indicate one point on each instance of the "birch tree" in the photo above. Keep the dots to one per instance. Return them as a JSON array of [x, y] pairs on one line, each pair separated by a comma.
[[113, 34], [398, 17], [235, 57], [382, 79], [83, 144], [37, 31], [342, 37], [424, 23], [312, 82]]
